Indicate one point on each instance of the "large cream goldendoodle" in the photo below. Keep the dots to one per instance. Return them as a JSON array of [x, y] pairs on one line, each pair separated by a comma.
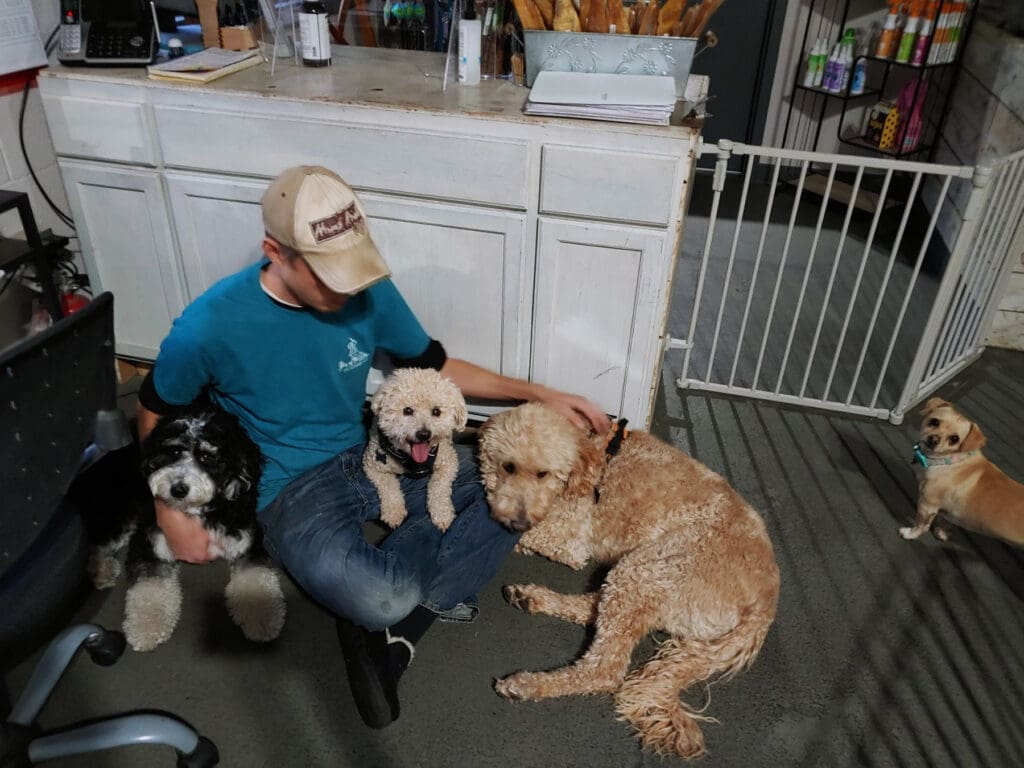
[[689, 557], [416, 411]]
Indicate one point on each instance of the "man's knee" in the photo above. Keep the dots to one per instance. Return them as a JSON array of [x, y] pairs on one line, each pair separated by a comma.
[[374, 603]]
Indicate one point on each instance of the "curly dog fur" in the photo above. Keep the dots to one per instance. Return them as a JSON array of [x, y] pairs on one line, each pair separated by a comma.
[[688, 556], [416, 411]]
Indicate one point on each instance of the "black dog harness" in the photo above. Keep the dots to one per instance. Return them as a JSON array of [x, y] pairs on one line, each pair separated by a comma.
[[611, 447], [410, 467]]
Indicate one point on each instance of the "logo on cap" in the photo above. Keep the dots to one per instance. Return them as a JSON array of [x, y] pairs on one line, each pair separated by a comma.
[[338, 224]]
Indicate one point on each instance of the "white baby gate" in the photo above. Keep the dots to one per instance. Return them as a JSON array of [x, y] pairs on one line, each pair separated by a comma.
[[843, 307]]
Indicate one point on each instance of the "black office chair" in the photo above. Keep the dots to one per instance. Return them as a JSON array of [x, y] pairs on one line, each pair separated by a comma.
[[58, 413]]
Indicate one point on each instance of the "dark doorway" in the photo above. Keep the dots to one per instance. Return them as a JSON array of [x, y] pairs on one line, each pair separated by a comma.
[[741, 68]]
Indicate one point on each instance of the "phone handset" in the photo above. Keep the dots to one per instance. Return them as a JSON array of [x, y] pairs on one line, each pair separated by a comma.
[[70, 27]]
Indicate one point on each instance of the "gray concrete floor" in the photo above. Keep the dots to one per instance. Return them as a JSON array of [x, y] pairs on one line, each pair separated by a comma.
[[884, 652]]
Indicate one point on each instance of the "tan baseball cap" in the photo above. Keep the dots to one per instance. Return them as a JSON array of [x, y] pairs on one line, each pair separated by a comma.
[[311, 210]]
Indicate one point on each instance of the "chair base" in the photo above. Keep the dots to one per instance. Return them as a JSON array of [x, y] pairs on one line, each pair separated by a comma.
[[22, 744]]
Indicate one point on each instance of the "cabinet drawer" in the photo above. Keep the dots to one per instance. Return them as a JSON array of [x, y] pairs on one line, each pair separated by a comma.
[[100, 128], [483, 171], [608, 185]]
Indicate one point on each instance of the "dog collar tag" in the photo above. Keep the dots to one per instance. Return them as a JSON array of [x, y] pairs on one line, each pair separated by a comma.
[[919, 456]]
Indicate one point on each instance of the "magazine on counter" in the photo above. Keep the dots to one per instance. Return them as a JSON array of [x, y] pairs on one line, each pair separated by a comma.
[[206, 65]]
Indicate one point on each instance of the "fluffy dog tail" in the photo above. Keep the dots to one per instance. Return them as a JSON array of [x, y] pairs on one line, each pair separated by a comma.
[[649, 698]]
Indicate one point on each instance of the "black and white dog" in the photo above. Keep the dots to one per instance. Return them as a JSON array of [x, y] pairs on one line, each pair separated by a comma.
[[201, 461]]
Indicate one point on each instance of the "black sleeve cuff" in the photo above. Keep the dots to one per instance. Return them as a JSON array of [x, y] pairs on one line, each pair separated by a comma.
[[433, 356], [150, 400]]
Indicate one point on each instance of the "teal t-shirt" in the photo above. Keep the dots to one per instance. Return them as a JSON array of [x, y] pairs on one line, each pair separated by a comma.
[[296, 378]]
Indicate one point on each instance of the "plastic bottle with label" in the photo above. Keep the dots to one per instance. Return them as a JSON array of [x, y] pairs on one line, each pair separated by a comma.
[[888, 40], [859, 72], [469, 46], [314, 34]]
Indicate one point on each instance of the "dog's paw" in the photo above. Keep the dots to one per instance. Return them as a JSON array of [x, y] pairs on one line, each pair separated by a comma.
[[941, 531], [909, 533], [517, 687], [151, 610], [103, 570], [443, 518], [256, 603], [518, 596], [392, 516]]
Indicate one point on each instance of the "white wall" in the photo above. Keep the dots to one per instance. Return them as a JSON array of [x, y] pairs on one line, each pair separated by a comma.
[[14, 173]]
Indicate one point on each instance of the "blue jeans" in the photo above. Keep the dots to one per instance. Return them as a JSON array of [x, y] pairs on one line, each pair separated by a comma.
[[314, 528]]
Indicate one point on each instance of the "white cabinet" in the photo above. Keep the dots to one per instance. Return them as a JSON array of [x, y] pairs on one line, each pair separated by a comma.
[[598, 304], [123, 228], [536, 247], [463, 272], [219, 225]]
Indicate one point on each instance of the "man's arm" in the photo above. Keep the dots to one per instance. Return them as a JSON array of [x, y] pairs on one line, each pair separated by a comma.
[[475, 381], [186, 537]]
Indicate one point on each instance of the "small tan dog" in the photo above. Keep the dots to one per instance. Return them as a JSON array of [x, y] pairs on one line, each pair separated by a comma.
[[958, 481], [416, 411], [689, 557]]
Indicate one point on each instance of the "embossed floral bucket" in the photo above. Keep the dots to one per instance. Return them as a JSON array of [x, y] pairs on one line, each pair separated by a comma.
[[610, 54]]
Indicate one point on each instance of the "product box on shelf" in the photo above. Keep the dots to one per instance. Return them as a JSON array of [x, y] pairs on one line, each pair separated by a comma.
[[883, 123]]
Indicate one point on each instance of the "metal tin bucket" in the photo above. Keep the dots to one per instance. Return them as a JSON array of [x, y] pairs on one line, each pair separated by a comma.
[[609, 54]]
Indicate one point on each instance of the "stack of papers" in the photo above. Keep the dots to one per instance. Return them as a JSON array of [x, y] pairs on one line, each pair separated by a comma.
[[206, 65], [647, 99]]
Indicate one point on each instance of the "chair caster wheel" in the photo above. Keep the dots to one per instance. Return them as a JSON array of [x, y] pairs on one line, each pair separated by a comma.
[[107, 648], [204, 755]]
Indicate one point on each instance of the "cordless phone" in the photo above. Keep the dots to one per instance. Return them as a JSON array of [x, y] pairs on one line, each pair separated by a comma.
[[70, 26]]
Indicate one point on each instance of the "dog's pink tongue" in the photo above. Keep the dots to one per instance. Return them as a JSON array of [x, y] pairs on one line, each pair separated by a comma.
[[420, 452]]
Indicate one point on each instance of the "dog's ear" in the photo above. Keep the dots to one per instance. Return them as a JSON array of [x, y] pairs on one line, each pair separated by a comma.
[[932, 404], [587, 470], [461, 415], [376, 400], [974, 440], [236, 486]]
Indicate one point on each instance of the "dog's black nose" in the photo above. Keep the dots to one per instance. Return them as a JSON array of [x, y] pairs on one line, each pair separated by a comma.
[[179, 490], [931, 441], [422, 435], [520, 525]]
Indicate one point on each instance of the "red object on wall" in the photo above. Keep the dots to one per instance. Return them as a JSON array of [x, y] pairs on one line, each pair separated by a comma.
[[15, 81]]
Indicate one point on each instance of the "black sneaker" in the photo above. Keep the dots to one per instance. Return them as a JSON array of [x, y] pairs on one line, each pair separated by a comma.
[[370, 676]]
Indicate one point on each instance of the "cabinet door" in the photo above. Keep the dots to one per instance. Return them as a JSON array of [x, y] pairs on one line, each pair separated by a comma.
[[600, 302], [460, 269], [464, 273], [122, 223], [219, 226]]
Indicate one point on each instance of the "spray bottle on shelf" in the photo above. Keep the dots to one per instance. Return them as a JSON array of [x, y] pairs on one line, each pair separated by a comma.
[[812, 65], [859, 71], [888, 39], [906, 46], [815, 64], [849, 42], [820, 61], [833, 80], [955, 31], [941, 33], [924, 32]]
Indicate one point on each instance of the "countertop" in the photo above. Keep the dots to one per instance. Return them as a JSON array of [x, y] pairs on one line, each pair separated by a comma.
[[380, 78]]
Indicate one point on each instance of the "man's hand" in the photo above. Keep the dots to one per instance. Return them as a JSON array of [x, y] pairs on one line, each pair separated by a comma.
[[579, 410], [186, 537]]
